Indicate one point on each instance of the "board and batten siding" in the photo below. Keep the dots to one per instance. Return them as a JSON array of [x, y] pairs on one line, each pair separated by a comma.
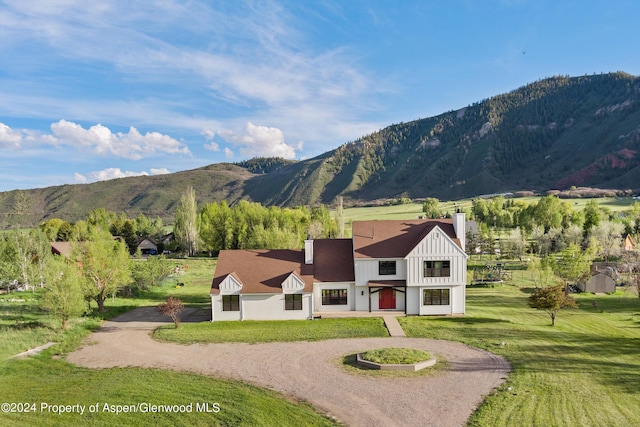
[[436, 246], [367, 269]]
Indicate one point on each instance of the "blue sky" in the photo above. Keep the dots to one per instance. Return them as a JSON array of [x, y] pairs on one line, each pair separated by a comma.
[[98, 90]]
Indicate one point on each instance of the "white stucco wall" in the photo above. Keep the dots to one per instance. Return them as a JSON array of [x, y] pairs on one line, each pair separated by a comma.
[[262, 307], [317, 296]]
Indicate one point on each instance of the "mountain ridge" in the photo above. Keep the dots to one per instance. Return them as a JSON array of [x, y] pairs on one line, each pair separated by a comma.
[[554, 133]]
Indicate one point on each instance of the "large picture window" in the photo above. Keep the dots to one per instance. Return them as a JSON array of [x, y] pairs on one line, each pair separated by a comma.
[[230, 302], [387, 268], [437, 268], [334, 297], [293, 302], [435, 297]]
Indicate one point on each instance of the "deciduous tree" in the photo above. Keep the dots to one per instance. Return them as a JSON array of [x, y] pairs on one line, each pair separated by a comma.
[[186, 227], [173, 308], [104, 266], [551, 299], [63, 296], [431, 208]]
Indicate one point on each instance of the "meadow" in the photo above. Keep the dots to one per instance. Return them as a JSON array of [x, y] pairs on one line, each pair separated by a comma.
[[47, 379], [583, 371]]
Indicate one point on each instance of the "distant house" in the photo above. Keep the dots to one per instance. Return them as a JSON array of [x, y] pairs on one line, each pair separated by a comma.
[[414, 266], [147, 246], [61, 248]]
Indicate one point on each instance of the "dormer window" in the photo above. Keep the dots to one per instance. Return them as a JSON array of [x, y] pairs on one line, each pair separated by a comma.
[[387, 268]]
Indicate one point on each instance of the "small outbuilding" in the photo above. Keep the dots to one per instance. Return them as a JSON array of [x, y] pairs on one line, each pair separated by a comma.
[[598, 283]]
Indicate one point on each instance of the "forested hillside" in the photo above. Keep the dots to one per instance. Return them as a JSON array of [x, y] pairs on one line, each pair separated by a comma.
[[552, 134]]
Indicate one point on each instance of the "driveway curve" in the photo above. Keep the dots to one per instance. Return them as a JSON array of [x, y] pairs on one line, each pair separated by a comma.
[[310, 371]]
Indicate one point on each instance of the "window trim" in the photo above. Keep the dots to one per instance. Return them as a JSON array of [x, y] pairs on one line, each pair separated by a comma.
[[231, 302], [335, 296], [293, 301], [386, 270], [440, 296], [434, 271]]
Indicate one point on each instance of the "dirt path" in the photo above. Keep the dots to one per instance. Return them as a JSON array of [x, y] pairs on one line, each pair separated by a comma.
[[311, 371]]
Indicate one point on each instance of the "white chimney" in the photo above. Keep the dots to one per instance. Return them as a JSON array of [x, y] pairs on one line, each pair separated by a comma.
[[308, 251], [460, 228]]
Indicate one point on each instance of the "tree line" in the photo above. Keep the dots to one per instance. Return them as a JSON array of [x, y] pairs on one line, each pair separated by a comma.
[[247, 225]]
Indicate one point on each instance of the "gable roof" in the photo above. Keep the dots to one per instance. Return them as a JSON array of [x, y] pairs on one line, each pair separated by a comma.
[[333, 260], [61, 248], [395, 238], [262, 271]]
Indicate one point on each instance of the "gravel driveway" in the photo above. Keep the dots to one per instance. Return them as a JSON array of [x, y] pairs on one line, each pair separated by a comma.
[[311, 371]]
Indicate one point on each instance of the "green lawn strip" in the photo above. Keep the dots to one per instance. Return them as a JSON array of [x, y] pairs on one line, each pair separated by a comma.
[[42, 380], [584, 371], [396, 356], [251, 331]]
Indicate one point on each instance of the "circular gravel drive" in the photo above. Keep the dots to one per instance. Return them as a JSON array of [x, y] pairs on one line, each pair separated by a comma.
[[312, 371]]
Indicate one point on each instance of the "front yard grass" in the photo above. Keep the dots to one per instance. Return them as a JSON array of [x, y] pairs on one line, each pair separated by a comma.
[[55, 382], [583, 371], [48, 379], [258, 331]]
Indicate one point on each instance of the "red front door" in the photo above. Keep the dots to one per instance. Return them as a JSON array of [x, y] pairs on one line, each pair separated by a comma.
[[387, 299]]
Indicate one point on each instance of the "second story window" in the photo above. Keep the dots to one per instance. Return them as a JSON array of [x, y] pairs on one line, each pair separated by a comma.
[[387, 268], [437, 268]]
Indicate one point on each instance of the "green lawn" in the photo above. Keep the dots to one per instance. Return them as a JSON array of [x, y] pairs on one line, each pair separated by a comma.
[[584, 371], [48, 379], [43, 380], [254, 331]]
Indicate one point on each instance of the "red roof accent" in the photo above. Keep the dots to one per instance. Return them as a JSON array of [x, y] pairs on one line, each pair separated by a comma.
[[262, 271], [333, 260], [395, 238]]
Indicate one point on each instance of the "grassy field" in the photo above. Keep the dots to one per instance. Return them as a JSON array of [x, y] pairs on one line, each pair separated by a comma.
[[413, 210], [584, 371], [48, 379]]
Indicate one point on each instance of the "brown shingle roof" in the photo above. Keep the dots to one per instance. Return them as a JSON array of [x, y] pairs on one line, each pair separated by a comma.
[[61, 248], [396, 238], [262, 271], [333, 260]]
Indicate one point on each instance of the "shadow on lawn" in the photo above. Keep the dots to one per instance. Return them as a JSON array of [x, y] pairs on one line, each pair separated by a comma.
[[611, 360]]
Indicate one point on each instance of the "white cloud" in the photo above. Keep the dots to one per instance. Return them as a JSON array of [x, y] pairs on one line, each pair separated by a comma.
[[260, 141], [79, 178], [9, 138], [212, 146], [113, 173], [209, 135], [132, 145], [228, 153], [258, 57], [159, 171]]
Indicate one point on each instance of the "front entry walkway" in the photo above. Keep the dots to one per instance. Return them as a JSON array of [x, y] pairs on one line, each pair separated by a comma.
[[392, 324]]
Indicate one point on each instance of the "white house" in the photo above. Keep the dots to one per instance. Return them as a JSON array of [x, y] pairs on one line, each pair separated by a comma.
[[418, 267]]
